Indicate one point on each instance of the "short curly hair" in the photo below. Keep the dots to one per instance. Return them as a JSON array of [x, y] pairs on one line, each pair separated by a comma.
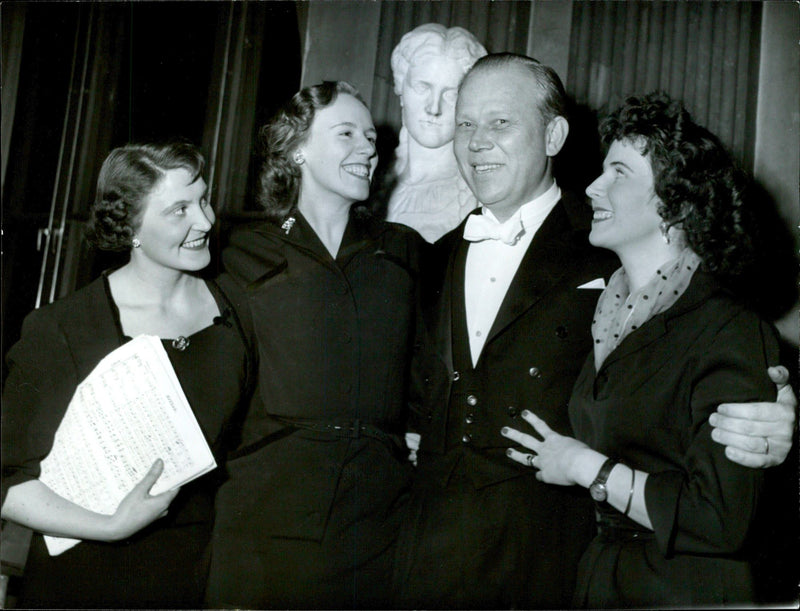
[[280, 176], [128, 175], [701, 189]]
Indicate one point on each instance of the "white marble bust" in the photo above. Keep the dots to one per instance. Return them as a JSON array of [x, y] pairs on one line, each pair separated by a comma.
[[428, 64]]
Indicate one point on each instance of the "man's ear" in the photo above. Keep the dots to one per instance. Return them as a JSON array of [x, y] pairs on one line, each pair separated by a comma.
[[556, 135]]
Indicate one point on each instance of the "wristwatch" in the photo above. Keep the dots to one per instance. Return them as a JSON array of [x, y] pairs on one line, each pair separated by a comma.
[[598, 490]]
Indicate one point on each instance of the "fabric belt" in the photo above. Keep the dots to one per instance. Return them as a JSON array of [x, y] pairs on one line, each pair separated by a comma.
[[263, 442], [621, 529], [346, 429]]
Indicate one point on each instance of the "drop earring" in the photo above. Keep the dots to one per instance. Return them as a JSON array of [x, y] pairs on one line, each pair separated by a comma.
[[664, 227]]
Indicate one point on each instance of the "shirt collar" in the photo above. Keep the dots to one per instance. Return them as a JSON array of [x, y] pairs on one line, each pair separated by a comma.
[[530, 213]]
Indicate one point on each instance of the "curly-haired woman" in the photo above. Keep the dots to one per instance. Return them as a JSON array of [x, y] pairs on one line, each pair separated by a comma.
[[310, 513], [672, 340], [151, 200]]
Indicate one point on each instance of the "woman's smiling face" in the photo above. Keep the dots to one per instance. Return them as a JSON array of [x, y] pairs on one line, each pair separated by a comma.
[[624, 203], [175, 222], [339, 153]]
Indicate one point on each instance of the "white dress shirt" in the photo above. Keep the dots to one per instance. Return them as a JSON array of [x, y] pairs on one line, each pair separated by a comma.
[[491, 266]]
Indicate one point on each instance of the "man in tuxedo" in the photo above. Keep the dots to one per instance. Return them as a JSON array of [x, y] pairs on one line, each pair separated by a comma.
[[510, 296]]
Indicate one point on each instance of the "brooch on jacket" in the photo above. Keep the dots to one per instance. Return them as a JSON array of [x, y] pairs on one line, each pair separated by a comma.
[[288, 224]]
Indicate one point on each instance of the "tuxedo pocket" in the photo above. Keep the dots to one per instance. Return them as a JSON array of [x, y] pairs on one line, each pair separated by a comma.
[[597, 283]]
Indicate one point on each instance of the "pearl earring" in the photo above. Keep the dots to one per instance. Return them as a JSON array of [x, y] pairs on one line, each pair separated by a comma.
[[298, 158]]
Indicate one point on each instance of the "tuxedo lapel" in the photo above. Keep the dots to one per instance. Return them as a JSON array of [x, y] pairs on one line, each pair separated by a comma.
[[547, 260]]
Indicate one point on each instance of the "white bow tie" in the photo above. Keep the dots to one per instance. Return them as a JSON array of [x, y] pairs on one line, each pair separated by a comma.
[[480, 227]]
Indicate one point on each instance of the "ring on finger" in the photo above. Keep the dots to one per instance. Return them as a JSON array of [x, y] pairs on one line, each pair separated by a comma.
[[530, 458], [766, 445]]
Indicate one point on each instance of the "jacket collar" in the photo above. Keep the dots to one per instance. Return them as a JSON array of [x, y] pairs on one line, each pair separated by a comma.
[[362, 228], [546, 261], [543, 265], [701, 288]]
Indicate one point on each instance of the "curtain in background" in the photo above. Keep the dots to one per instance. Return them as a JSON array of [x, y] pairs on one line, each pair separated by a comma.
[[500, 26], [705, 53]]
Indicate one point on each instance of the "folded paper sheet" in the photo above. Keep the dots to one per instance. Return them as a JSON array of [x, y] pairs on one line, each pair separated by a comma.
[[129, 412]]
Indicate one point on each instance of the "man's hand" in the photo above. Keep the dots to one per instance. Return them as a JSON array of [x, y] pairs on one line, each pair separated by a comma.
[[758, 435]]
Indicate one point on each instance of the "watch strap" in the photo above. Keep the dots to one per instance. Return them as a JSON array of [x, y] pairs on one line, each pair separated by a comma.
[[605, 471], [598, 490]]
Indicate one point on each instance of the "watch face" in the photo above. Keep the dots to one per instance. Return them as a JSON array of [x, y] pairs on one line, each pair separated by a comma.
[[598, 492]]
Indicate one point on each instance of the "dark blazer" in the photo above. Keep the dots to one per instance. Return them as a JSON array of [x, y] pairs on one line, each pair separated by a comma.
[[311, 510], [530, 360], [649, 406], [69, 337], [334, 340], [61, 344]]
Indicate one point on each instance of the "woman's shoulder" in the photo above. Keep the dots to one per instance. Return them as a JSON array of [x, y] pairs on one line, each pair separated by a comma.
[[79, 326], [253, 236], [252, 250], [722, 316], [402, 232], [371, 226], [80, 307], [403, 241], [713, 300]]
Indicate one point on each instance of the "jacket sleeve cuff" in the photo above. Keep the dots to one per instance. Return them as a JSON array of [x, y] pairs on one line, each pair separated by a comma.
[[662, 494]]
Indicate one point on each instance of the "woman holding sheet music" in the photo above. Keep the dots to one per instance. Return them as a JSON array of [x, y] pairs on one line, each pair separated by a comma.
[[151, 200]]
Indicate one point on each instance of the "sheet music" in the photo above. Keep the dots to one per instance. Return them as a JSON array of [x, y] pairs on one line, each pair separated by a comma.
[[127, 413]]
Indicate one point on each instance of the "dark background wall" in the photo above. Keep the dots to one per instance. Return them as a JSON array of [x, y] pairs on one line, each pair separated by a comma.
[[736, 66], [81, 78], [92, 76]]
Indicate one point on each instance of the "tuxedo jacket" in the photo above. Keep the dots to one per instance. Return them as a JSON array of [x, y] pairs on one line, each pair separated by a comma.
[[531, 357]]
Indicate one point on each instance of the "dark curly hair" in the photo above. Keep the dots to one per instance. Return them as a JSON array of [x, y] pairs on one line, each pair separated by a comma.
[[701, 189], [279, 179], [128, 175]]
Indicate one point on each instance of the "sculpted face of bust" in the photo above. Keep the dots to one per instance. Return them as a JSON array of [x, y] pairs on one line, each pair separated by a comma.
[[428, 99]]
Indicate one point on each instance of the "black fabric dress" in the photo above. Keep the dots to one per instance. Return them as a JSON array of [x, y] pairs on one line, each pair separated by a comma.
[[648, 406], [165, 564], [316, 493]]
